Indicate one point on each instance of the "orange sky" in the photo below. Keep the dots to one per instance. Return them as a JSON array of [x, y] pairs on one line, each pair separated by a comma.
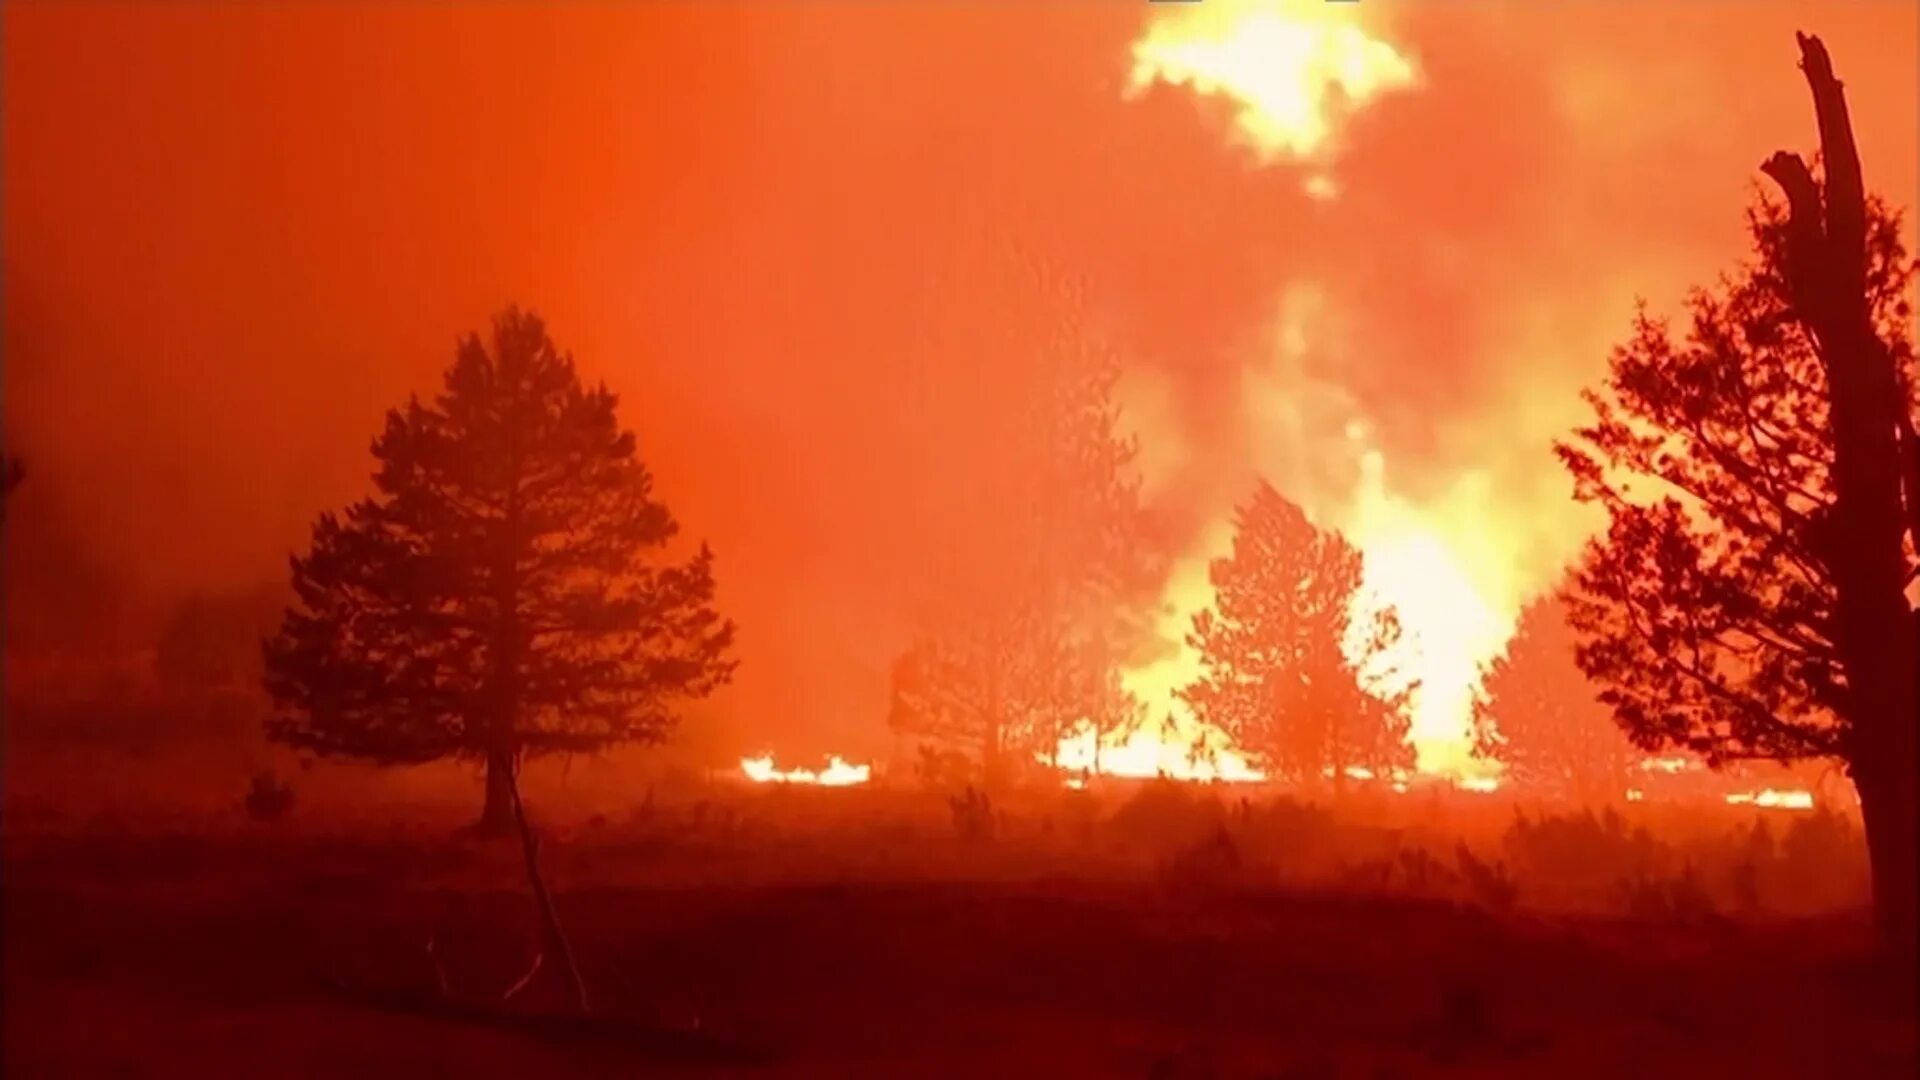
[[235, 234]]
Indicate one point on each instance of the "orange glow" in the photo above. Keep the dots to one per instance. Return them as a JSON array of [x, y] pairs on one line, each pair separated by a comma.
[[1368, 251], [1142, 754], [1773, 799], [1173, 742], [838, 773], [1448, 626]]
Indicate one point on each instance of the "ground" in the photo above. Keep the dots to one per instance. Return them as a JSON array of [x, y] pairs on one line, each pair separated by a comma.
[[721, 945]]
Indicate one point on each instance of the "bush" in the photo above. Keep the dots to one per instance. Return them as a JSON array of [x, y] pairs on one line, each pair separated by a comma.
[[972, 815], [1488, 884], [1208, 864], [1582, 853], [1666, 899], [1166, 816], [943, 769]]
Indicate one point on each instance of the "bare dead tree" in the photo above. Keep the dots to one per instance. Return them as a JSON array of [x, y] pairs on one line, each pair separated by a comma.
[[1826, 276]]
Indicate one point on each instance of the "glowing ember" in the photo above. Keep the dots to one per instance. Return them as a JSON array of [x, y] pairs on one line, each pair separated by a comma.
[[1668, 765], [1635, 795], [1479, 785], [1773, 799], [838, 773], [1292, 67]]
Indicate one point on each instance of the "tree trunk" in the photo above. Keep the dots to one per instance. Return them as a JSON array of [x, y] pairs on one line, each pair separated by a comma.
[[553, 937], [1891, 815], [992, 765], [1826, 272], [496, 817]]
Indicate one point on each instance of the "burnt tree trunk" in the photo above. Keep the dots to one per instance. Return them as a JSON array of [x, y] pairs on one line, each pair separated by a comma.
[[1826, 270], [496, 817]]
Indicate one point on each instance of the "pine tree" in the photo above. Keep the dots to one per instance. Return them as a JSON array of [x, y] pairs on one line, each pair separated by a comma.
[[1755, 606], [1539, 717], [1277, 672], [1029, 651], [495, 598]]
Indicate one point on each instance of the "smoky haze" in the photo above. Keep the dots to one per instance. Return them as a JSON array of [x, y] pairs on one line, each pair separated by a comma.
[[817, 266]]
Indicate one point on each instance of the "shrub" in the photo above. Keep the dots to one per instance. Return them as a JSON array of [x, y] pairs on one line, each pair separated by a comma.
[[1488, 884], [972, 815]]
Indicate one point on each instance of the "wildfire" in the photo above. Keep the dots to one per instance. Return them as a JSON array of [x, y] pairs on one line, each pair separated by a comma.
[[1430, 563], [1295, 71], [1293, 68], [1448, 630], [1773, 799], [838, 773], [1143, 754], [1177, 745]]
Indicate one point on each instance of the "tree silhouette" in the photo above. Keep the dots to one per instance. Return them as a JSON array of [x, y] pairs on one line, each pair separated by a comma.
[[494, 599], [1029, 649], [1708, 606], [1277, 676], [1745, 597], [12, 472], [1537, 715]]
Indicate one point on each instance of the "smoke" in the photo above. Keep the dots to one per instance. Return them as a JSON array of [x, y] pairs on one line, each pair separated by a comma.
[[1428, 330], [789, 237]]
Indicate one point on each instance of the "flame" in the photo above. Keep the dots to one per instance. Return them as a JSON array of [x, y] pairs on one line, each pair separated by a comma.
[[1449, 629], [838, 773], [1774, 799], [1205, 755], [1668, 764], [1293, 69], [1449, 626], [1636, 795], [1176, 743]]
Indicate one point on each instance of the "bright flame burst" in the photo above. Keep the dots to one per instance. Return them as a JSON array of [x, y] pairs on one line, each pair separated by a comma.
[[838, 773], [1449, 628], [1294, 68]]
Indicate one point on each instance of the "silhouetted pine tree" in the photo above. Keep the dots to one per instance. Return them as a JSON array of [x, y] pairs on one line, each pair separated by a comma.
[[495, 598], [1537, 714], [1276, 675], [1757, 608], [1030, 649]]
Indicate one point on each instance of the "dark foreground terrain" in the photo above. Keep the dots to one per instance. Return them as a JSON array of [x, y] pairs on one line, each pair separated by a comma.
[[289, 950]]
